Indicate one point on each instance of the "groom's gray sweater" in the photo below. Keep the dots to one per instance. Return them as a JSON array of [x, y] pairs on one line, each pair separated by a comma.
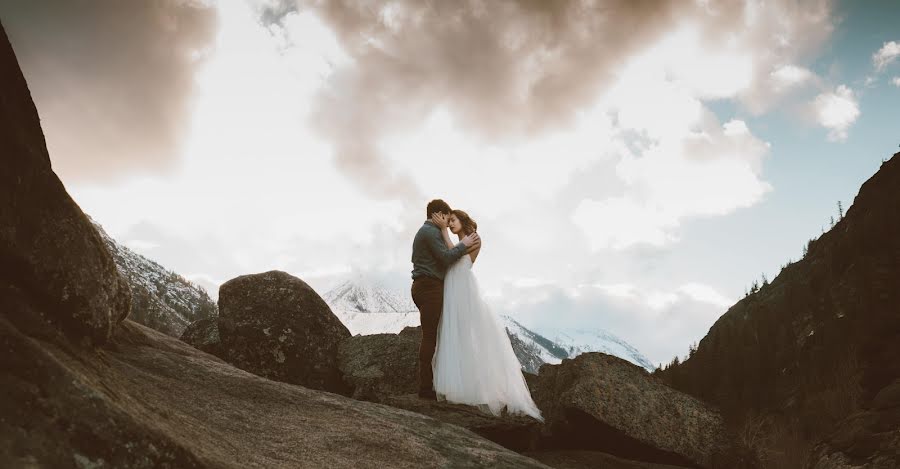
[[430, 255]]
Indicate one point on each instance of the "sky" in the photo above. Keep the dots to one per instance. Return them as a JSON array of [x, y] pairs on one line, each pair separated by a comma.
[[632, 166]]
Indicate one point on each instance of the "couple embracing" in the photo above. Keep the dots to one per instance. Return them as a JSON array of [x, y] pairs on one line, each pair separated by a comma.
[[465, 355]]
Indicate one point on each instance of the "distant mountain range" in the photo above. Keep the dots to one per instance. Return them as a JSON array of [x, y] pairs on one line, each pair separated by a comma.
[[167, 302], [160, 298], [367, 307]]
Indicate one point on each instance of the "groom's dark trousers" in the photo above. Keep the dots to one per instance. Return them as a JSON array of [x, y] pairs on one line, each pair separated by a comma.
[[428, 295]]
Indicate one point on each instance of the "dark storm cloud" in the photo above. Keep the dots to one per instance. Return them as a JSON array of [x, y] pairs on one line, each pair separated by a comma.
[[111, 79]]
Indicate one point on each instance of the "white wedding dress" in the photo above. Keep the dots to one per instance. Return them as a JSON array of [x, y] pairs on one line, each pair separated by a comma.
[[474, 362]]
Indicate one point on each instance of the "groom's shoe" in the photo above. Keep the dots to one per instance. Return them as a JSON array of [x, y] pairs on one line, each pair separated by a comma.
[[428, 394]]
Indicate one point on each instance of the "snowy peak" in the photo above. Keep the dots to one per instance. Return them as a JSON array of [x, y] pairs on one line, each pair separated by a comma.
[[359, 295], [366, 306], [578, 341], [546, 349]]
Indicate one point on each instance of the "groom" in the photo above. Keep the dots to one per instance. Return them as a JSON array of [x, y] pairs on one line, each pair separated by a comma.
[[431, 258]]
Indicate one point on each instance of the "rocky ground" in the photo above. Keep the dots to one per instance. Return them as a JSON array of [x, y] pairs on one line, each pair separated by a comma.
[[597, 407]]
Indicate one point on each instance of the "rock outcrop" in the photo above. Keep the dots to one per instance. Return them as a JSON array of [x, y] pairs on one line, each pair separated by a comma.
[[152, 401], [600, 402], [275, 325], [48, 249], [375, 367]]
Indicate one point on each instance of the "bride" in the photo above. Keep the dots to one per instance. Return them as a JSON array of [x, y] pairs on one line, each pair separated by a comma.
[[474, 362]]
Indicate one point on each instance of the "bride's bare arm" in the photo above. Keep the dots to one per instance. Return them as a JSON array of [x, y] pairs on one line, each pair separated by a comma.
[[474, 250]]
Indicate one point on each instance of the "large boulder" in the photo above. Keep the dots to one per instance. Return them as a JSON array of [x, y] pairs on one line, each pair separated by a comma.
[[48, 248], [600, 402], [276, 326], [377, 366]]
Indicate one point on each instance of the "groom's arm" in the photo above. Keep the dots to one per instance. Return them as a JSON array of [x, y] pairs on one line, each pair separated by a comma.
[[442, 253]]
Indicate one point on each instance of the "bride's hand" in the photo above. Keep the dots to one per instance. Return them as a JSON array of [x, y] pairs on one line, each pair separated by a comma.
[[472, 240], [439, 219]]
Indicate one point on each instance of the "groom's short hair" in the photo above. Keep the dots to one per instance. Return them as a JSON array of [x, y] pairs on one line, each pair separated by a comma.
[[437, 205]]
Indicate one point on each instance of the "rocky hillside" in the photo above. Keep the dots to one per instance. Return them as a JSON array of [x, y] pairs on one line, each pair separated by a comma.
[[160, 298], [817, 350]]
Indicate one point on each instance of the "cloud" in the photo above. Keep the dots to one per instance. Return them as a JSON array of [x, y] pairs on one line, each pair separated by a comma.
[[112, 80], [422, 87], [886, 55], [686, 155], [789, 76], [661, 323], [836, 111], [502, 69], [896, 81]]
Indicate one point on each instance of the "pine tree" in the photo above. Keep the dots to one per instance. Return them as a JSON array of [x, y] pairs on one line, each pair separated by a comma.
[[840, 211]]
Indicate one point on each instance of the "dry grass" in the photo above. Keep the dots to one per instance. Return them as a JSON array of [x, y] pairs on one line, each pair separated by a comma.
[[784, 440]]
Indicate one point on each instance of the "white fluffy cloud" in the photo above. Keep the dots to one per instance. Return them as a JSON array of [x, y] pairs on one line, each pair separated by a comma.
[[887, 54], [896, 81], [661, 323], [836, 111], [686, 163]]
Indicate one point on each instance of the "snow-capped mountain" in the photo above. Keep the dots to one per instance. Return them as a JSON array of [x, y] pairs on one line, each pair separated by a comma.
[[160, 298], [368, 307], [531, 348], [578, 341], [363, 295]]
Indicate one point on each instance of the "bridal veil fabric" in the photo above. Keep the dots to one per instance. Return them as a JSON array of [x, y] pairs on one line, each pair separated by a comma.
[[474, 362]]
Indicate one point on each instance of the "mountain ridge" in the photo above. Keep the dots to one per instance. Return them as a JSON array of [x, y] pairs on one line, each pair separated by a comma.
[[366, 306], [161, 298], [817, 347]]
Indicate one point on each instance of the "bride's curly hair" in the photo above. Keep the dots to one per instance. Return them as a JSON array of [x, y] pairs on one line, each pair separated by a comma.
[[468, 224]]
